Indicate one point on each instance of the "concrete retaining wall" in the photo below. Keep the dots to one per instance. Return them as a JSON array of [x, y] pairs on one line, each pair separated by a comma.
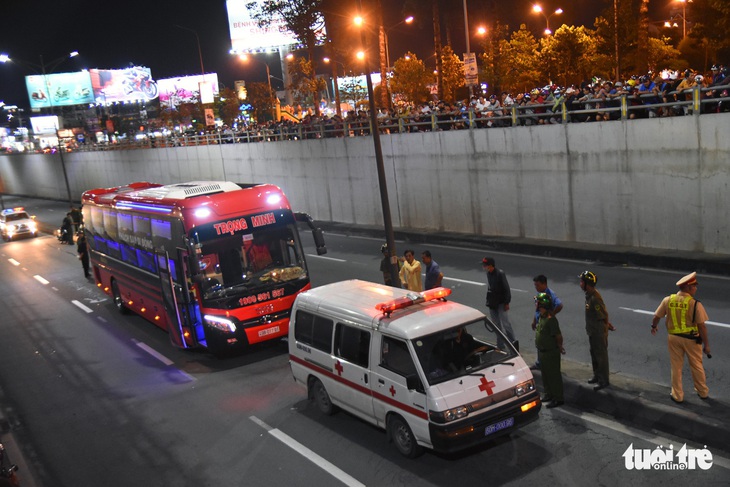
[[659, 183]]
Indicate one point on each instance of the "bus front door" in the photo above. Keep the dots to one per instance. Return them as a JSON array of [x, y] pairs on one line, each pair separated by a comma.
[[169, 298]]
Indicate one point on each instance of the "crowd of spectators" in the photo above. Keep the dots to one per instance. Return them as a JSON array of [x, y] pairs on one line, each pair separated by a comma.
[[670, 93]]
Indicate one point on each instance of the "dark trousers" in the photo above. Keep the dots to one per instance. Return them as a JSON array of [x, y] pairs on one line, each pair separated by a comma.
[[599, 356]]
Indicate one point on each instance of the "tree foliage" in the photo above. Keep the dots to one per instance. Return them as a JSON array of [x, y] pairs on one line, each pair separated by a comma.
[[304, 84], [228, 107], [410, 79], [453, 74]]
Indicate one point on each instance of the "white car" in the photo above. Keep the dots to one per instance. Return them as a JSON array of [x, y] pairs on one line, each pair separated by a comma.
[[15, 222]]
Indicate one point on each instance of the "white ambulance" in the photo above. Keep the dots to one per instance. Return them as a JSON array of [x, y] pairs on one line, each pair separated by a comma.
[[431, 372]]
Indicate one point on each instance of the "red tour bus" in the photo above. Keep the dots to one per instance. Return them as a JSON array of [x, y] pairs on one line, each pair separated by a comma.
[[216, 264]]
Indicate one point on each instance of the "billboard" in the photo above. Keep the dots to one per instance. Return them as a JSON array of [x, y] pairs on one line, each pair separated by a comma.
[[59, 90], [187, 89], [123, 85], [46, 125], [247, 36]]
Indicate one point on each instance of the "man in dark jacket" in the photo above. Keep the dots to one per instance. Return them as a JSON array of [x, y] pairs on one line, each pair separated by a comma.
[[498, 299]]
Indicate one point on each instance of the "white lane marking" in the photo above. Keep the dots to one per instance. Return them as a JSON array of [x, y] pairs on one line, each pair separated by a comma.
[[54, 288], [82, 306], [645, 312], [41, 280], [154, 353], [309, 454], [14, 262], [465, 281], [101, 319], [326, 258], [612, 424]]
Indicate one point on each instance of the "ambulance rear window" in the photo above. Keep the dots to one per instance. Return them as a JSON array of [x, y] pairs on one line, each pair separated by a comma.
[[314, 331]]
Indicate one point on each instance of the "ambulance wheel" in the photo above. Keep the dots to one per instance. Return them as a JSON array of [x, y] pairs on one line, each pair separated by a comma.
[[400, 433], [118, 301], [321, 398]]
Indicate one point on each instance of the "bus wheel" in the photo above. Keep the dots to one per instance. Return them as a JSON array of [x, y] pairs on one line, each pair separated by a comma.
[[400, 433], [321, 398], [118, 301]]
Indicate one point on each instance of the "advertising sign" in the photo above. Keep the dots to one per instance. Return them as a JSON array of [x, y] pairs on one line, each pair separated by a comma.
[[123, 85], [44, 125], [59, 90], [471, 73], [186, 89], [247, 36]]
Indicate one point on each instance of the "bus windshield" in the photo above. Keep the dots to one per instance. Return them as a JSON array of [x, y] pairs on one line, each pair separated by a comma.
[[462, 350], [235, 266]]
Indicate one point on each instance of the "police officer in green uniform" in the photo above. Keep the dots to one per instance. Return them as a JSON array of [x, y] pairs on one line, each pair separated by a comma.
[[549, 344], [597, 327]]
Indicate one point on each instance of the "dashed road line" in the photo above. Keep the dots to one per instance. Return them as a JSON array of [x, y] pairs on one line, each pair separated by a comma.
[[465, 281], [319, 461], [41, 280], [645, 312], [14, 262], [82, 306], [326, 258], [154, 353]]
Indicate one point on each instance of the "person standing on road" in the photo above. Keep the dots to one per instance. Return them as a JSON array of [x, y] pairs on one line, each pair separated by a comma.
[[385, 265], [498, 298], [83, 251], [541, 286], [549, 343], [434, 276], [597, 327], [687, 335], [410, 273]]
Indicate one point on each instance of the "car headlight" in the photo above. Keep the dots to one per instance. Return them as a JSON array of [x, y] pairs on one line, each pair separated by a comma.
[[449, 415], [524, 388], [32, 227], [220, 323]]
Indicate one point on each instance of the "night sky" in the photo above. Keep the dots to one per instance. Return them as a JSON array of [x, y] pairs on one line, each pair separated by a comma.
[[113, 35]]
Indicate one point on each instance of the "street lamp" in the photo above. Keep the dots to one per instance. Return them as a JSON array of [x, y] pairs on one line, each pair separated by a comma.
[[200, 53], [338, 103], [247, 58], [407, 20], [538, 9], [382, 182], [684, 17], [46, 69]]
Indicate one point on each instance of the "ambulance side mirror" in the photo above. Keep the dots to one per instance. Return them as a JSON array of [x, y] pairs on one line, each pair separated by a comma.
[[413, 383]]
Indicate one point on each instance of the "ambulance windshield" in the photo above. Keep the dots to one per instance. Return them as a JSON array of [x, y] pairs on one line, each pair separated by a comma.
[[462, 350]]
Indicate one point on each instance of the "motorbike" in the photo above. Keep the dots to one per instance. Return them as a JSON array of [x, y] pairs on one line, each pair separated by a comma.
[[8, 471], [39, 96], [140, 82], [60, 94], [64, 236]]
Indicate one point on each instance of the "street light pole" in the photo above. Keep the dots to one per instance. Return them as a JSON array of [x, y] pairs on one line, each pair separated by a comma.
[[42, 66], [382, 182], [200, 52], [246, 57]]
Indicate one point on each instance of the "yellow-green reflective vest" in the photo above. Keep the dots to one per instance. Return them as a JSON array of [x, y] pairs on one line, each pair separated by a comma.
[[678, 307]]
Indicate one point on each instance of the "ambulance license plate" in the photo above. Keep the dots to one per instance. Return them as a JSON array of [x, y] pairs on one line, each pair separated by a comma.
[[493, 428]]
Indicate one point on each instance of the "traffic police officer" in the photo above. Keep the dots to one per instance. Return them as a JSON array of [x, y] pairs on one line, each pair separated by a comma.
[[687, 335]]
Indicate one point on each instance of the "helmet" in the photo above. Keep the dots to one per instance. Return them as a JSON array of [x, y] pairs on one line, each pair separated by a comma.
[[493, 97], [535, 91], [588, 277], [644, 79], [384, 247], [699, 78], [687, 73], [631, 82], [715, 67], [543, 300], [526, 97]]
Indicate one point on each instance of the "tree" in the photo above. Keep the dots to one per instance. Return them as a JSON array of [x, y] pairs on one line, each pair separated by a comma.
[[709, 32], [261, 99], [303, 18], [304, 83], [410, 79], [453, 74], [228, 107], [494, 59], [521, 64], [661, 54], [568, 55]]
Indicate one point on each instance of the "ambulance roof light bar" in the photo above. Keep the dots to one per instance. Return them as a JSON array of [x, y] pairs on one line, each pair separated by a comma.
[[412, 299]]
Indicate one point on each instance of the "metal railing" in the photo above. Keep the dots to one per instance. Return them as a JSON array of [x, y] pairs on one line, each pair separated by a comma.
[[584, 109]]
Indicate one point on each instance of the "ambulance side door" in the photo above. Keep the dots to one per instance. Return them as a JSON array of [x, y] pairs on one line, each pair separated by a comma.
[[352, 368], [397, 386]]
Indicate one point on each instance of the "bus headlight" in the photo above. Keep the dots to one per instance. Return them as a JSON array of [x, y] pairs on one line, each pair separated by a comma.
[[220, 323], [524, 388], [449, 415]]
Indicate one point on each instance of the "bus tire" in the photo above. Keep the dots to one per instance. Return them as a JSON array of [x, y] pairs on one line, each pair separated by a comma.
[[118, 301], [321, 398], [401, 435]]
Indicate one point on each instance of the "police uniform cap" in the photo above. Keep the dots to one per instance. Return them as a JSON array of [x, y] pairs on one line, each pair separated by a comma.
[[687, 280]]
